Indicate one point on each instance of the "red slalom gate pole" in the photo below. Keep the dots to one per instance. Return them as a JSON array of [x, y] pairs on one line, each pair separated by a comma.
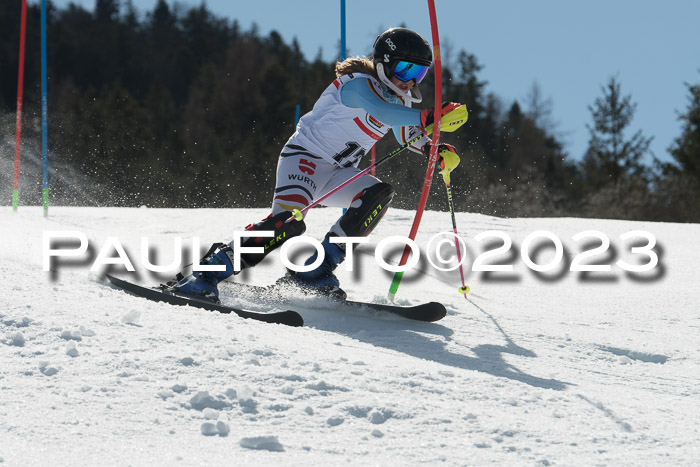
[[433, 150], [20, 89]]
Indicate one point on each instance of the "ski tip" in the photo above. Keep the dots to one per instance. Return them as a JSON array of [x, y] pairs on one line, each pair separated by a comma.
[[292, 318], [113, 280], [439, 312]]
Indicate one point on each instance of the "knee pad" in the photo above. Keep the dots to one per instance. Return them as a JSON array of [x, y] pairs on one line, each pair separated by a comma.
[[283, 232], [360, 219]]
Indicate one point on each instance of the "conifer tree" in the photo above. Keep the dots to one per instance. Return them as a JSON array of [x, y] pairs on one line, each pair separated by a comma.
[[686, 148], [610, 156]]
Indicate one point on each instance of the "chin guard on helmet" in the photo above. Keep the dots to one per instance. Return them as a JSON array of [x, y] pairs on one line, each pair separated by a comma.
[[383, 78]]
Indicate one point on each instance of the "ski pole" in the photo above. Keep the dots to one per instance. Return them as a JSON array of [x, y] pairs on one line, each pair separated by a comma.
[[449, 123], [464, 290], [298, 214]]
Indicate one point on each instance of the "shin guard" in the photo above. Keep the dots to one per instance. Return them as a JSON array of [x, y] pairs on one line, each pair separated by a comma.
[[366, 210], [283, 232]]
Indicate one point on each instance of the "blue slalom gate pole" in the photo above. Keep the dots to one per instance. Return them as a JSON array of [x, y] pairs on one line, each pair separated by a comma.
[[342, 42], [296, 115], [44, 113], [342, 30]]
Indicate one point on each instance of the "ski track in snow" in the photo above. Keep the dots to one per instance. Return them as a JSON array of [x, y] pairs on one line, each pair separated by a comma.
[[599, 369]]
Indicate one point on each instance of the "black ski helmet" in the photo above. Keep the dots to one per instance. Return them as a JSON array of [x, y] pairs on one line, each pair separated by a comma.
[[395, 45]]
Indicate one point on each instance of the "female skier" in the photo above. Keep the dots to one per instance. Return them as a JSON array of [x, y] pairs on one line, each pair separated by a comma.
[[369, 97]]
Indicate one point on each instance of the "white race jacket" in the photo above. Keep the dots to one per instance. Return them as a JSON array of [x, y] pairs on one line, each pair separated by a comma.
[[336, 132]]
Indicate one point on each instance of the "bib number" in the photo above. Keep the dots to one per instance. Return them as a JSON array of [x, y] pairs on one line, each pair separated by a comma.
[[352, 153]]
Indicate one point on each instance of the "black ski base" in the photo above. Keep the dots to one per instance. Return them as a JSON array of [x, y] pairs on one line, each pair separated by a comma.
[[429, 312], [289, 317]]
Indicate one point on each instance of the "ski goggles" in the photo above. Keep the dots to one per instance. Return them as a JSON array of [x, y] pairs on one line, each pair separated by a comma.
[[406, 71]]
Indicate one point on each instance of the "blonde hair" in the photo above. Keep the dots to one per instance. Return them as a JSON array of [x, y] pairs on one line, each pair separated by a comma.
[[355, 65]]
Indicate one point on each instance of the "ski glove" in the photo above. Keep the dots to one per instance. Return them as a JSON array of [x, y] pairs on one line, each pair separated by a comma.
[[427, 118], [449, 160]]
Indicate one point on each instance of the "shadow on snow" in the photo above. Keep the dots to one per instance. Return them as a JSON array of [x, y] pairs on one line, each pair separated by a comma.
[[414, 338]]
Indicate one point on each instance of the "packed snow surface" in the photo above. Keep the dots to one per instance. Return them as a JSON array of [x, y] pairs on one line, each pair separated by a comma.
[[533, 368]]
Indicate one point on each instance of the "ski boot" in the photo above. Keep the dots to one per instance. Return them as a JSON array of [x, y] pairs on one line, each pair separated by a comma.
[[320, 281], [202, 284]]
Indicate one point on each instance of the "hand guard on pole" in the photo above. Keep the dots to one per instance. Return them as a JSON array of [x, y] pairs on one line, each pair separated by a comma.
[[453, 115], [449, 160]]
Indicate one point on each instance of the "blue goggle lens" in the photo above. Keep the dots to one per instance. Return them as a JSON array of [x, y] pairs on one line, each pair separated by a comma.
[[406, 71]]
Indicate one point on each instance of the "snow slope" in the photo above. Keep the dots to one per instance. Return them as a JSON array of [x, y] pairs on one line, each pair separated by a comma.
[[533, 369]]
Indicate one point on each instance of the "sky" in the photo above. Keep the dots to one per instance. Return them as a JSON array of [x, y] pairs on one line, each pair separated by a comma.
[[569, 49]]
